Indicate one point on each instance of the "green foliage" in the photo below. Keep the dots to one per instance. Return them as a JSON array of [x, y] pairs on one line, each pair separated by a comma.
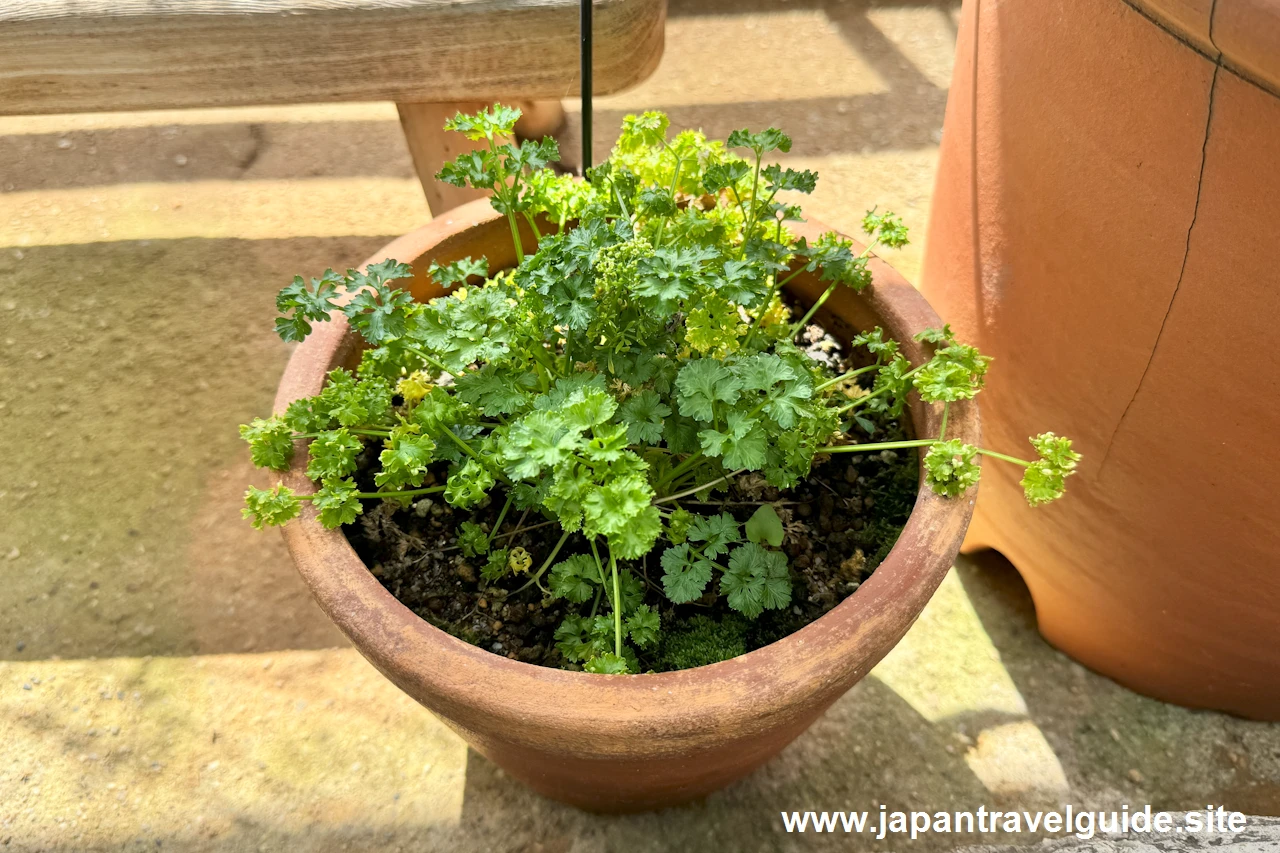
[[951, 467], [764, 526], [757, 579], [575, 579], [685, 573], [469, 485], [638, 355], [473, 539], [1044, 479], [332, 454], [336, 503], [270, 442], [954, 373], [886, 228], [458, 272], [643, 626], [270, 507], [498, 565]]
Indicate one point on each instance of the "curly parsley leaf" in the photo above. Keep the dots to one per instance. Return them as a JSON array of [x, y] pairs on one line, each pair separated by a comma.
[[1044, 480], [701, 384], [643, 626], [643, 415], [951, 467], [308, 304], [270, 507], [332, 454], [404, 460], [575, 579], [473, 539], [337, 503], [607, 664], [468, 485], [886, 227], [270, 442]]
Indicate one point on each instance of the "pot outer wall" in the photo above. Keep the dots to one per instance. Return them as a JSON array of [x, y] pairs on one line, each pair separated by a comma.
[[1106, 223], [628, 743]]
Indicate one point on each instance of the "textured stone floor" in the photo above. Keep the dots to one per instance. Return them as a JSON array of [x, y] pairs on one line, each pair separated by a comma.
[[166, 681]]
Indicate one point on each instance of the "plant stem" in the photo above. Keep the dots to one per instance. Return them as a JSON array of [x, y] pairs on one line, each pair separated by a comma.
[[599, 566], [675, 180], [470, 451], [511, 496], [621, 205], [520, 530], [742, 207], [515, 238], [617, 606], [428, 359], [372, 433], [506, 193], [826, 294], [852, 373], [881, 445], [1015, 460], [942, 428], [698, 488], [681, 469], [859, 401], [403, 493], [533, 224]]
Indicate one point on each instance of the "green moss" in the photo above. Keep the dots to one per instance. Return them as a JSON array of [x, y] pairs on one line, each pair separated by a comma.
[[701, 640]]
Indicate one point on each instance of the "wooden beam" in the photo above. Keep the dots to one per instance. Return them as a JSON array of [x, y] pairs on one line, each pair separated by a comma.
[[94, 55]]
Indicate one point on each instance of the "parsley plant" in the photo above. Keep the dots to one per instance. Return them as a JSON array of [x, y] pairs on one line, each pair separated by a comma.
[[639, 355]]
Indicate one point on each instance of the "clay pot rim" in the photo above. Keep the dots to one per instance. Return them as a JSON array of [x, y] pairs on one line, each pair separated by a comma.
[[424, 659]]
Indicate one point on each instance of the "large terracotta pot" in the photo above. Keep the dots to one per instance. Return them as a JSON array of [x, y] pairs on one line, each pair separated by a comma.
[[1107, 225], [642, 741]]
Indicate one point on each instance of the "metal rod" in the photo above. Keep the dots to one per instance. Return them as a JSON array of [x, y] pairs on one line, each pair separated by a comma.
[[585, 32]]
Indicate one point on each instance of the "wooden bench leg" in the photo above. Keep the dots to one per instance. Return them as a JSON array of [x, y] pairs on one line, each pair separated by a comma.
[[431, 146], [539, 119]]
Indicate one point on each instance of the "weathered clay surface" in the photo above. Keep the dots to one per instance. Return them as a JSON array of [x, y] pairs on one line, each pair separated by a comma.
[[1106, 225], [628, 742]]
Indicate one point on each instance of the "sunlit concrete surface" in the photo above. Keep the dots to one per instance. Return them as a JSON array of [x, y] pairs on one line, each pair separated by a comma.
[[139, 258], [322, 207], [184, 751], [949, 672]]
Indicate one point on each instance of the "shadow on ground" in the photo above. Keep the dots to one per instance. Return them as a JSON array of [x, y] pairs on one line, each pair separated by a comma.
[[124, 371]]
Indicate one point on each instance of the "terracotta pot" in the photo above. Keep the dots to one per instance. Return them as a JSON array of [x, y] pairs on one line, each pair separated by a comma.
[[625, 743], [1107, 225]]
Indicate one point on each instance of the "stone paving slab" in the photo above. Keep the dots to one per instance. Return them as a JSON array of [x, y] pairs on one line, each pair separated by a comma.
[[314, 750], [1262, 835]]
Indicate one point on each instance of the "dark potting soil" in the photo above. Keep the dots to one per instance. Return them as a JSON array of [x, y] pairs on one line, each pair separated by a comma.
[[840, 524]]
